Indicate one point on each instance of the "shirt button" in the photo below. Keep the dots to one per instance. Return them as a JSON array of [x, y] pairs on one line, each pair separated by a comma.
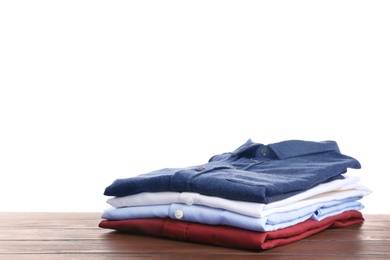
[[255, 160], [179, 214], [200, 169], [264, 151], [188, 201]]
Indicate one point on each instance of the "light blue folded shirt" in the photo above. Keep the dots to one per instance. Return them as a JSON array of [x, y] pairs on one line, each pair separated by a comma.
[[216, 216], [331, 210]]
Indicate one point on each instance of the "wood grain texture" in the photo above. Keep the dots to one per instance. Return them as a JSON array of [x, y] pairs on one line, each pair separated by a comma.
[[49, 235]]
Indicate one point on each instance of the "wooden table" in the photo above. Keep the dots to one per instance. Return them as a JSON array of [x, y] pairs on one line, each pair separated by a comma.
[[76, 236]]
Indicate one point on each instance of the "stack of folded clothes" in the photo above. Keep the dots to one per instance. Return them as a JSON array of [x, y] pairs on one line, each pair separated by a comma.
[[256, 197]]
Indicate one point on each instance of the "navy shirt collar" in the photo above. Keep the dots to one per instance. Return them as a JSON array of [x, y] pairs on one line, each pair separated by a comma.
[[294, 148], [285, 149]]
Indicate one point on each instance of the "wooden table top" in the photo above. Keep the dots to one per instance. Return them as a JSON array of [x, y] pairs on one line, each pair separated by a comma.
[[52, 235]]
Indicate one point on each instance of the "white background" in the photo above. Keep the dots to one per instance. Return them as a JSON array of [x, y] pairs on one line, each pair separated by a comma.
[[91, 91]]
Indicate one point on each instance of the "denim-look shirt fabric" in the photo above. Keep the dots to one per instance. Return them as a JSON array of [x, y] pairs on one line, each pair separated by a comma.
[[253, 172]]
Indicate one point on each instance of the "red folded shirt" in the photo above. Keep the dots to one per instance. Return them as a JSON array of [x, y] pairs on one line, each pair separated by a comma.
[[230, 236]]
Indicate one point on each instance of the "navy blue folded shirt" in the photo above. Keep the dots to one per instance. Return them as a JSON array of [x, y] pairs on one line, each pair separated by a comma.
[[253, 172]]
